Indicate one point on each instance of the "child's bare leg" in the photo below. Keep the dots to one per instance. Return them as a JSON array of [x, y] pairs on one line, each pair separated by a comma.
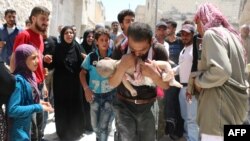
[[167, 74], [132, 91], [175, 83]]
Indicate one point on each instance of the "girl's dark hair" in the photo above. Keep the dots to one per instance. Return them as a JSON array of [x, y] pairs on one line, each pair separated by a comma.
[[140, 32]]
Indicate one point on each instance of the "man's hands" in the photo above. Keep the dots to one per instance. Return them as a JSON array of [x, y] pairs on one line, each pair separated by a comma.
[[47, 58], [149, 69], [2, 44], [128, 61], [197, 88]]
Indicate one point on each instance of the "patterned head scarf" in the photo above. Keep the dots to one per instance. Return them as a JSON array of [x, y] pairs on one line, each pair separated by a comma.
[[211, 16], [21, 54]]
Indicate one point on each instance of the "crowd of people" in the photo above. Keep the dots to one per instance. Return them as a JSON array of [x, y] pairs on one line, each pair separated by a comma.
[[40, 74]]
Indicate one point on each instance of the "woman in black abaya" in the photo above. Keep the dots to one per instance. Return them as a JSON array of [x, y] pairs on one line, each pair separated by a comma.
[[68, 96]]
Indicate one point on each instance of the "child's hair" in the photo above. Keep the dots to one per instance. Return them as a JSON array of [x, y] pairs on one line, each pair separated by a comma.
[[124, 13], [101, 31], [140, 32]]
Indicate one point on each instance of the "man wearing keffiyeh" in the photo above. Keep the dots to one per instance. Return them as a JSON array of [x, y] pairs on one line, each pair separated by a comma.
[[222, 82]]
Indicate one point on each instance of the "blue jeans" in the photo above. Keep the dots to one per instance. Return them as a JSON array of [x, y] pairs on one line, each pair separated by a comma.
[[101, 112], [188, 113]]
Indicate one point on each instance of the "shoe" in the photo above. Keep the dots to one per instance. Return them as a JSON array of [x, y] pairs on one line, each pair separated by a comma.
[[44, 139]]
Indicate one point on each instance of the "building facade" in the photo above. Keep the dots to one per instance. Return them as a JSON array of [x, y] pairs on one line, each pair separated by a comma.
[[245, 10], [83, 14], [140, 13], [181, 10]]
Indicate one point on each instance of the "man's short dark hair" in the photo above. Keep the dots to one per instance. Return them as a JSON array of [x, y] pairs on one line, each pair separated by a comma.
[[9, 11], [164, 20], [107, 27], [172, 23], [124, 13], [188, 22], [38, 10], [140, 32], [114, 22]]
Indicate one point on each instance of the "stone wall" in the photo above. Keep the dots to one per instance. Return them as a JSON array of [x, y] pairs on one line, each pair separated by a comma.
[[244, 16], [22, 7], [81, 13]]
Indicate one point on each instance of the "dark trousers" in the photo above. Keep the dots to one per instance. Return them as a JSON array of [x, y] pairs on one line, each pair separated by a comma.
[[134, 122], [174, 122]]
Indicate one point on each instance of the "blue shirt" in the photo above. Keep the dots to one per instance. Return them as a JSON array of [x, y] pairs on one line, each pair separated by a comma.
[[9, 39], [175, 49], [20, 109], [97, 83]]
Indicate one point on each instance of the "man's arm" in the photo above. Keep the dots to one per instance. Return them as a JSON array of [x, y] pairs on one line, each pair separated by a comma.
[[127, 61], [218, 65], [12, 62], [21, 38], [116, 78]]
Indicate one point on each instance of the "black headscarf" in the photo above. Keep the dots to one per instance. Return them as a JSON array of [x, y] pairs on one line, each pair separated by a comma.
[[67, 55], [7, 83], [85, 46]]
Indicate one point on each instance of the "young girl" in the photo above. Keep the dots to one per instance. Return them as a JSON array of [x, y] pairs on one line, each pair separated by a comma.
[[98, 92], [21, 104]]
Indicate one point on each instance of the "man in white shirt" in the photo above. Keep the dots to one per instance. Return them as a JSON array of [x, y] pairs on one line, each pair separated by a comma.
[[160, 34], [188, 108]]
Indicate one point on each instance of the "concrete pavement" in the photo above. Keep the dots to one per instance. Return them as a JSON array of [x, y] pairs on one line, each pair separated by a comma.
[[50, 133]]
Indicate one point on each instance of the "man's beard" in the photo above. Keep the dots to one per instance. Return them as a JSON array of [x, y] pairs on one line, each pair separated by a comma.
[[39, 28], [11, 23], [187, 43]]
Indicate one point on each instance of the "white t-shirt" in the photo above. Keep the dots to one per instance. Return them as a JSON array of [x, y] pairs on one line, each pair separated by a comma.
[[10, 30], [185, 63]]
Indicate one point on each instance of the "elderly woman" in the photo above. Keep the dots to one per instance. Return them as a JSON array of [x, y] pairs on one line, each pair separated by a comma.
[[222, 86], [68, 97]]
